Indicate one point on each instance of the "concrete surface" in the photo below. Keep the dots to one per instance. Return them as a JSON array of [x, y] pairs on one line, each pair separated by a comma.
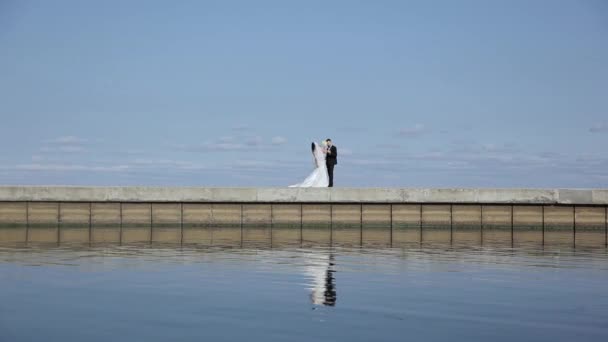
[[302, 195]]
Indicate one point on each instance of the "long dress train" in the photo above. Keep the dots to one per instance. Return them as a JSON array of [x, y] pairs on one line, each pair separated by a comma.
[[319, 177]]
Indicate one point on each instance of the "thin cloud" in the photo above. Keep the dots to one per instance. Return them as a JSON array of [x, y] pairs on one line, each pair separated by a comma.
[[209, 147], [345, 152], [64, 144], [66, 139], [278, 140], [132, 152], [59, 149], [506, 147], [388, 146], [599, 128], [167, 164], [66, 167], [255, 141], [229, 144], [482, 160], [160, 162], [410, 132], [463, 146], [241, 128]]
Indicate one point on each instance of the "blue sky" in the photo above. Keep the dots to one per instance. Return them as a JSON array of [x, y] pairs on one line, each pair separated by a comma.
[[230, 93]]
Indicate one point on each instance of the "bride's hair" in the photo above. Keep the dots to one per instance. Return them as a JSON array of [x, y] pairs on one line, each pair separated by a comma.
[[312, 146]]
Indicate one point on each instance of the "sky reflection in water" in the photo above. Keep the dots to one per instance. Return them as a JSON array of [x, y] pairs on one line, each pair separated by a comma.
[[159, 293]]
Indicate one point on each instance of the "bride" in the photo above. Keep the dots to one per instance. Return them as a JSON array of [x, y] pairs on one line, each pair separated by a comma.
[[319, 177]]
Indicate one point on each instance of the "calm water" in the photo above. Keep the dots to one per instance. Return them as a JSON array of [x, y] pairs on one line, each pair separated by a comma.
[[156, 293]]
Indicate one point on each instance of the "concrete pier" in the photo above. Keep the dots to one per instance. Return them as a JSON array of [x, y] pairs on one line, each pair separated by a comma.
[[302, 195], [316, 216]]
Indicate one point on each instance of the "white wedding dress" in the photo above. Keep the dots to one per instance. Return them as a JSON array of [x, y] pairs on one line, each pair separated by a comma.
[[319, 177]]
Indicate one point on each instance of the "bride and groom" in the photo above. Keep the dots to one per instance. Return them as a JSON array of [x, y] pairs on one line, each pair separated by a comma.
[[325, 158]]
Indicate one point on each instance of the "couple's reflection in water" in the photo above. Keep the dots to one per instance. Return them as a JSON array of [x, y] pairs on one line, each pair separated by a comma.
[[322, 281]]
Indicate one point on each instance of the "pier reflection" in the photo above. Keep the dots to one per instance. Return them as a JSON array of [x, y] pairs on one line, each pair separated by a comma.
[[268, 236]]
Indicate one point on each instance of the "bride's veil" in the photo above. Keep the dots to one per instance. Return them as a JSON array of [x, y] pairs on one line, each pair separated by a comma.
[[318, 154], [318, 177]]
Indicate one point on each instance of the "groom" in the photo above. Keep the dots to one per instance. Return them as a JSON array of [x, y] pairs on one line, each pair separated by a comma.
[[331, 160]]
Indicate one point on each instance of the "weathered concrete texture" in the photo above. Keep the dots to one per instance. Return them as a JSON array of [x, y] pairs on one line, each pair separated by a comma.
[[496, 228], [74, 222], [496, 216], [13, 212], [480, 195], [197, 215], [347, 224], [320, 223], [436, 223], [436, 215], [166, 214], [257, 214], [106, 214], [166, 222], [527, 225], [106, 222], [43, 213], [302, 195], [376, 215], [13, 218], [559, 217], [466, 224], [347, 215], [74, 213], [227, 215], [407, 215], [599, 196], [316, 215], [559, 225], [286, 214]]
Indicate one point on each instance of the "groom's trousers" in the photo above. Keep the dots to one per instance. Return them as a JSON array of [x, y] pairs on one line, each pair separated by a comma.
[[330, 172]]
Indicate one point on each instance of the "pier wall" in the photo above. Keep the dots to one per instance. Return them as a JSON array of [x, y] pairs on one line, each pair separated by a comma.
[[234, 216]]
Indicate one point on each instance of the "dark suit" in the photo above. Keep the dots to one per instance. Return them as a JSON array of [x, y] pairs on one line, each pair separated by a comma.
[[331, 159]]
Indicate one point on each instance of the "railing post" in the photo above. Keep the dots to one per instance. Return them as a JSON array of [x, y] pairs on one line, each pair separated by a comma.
[[512, 232], [27, 222], [181, 223], [90, 223], [58, 222], [543, 222], [451, 224], [391, 232], [271, 223], [120, 233], [574, 225], [481, 223], [361, 224], [420, 225], [151, 224]]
